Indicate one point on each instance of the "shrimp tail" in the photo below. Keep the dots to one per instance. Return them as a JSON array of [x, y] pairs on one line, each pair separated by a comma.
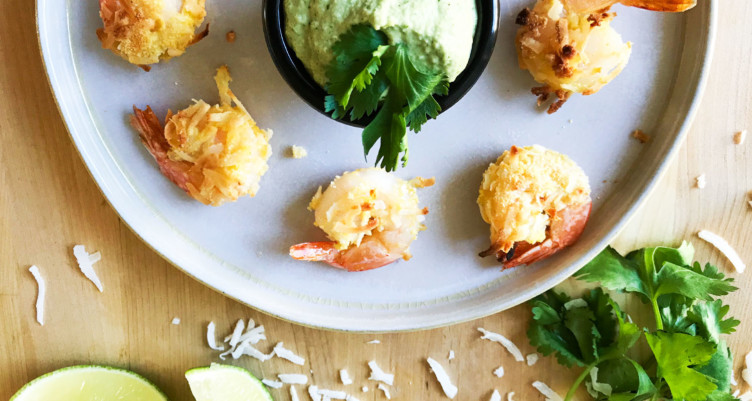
[[661, 5], [152, 136], [566, 227], [314, 252], [354, 259], [592, 6]]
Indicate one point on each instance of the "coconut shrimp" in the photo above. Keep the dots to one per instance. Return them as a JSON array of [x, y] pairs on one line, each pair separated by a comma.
[[216, 154], [570, 47], [537, 202], [371, 218], [145, 32]]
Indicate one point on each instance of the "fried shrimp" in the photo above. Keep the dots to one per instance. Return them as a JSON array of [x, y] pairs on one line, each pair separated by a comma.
[[537, 202], [145, 32], [214, 153], [570, 47], [371, 218]]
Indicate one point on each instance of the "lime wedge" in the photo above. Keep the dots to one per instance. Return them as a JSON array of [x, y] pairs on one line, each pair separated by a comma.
[[226, 383], [89, 383]]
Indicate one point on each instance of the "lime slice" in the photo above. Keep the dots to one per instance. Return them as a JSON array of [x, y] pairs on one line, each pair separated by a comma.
[[89, 383], [226, 383]]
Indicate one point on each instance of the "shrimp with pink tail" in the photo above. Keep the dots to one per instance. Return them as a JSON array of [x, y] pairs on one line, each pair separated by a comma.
[[216, 154], [145, 32], [371, 218], [570, 47], [537, 202]]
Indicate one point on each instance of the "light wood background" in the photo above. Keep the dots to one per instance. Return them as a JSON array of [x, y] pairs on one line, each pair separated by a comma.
[[48, 203]]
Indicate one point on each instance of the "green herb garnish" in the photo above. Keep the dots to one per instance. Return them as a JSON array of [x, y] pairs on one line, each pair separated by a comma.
[[689, 359], [367, 72]]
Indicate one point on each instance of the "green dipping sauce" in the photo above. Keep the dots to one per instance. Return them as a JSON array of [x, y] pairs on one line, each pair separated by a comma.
[[438, 33]]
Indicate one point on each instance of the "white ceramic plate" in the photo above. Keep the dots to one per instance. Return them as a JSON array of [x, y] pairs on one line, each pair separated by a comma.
[[240, 249]]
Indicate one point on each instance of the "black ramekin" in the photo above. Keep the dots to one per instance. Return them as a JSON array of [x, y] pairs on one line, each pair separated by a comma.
[[302, 83]]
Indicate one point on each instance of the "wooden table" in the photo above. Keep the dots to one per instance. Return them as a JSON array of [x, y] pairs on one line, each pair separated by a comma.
[[49, 202]]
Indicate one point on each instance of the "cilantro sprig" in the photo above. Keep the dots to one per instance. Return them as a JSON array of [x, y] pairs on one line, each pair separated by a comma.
[[368, 74], [689, 359]]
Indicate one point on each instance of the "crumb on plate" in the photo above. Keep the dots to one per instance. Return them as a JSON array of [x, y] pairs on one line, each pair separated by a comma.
[[298, 152], [640, 136]]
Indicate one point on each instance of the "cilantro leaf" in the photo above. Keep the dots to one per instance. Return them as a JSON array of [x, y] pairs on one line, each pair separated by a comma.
[[678, 355], [548, 333], [675, 279], [614, 272], [331, 106], [626, 377], [719, 367], [362, 102], [367, 73], [674, 316], [581, 322], [709, 320], [410, 83], [357, 56], [430, 108]]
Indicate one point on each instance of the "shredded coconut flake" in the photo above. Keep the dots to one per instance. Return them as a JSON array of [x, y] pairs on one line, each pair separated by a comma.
[[725, 249], [602, 388], [255, 353], [736, 393], [41, 293], [451, 355], [509, 345], [546, 391], [364, 389], [495, 396], [333, 394], [345, 377], [235, 337], [351, 398], [211, 339], [499, 372], [510, 395], [272, 383], [732, 379], [176, 321], [313, 392], [285, 353], [747, 372], [379, 375], [374, 342], [532, 359], [86, 264], [700, 181], [293, 378], [253, 335], [575, 303], [383, 388], [446, 383], [293, 394]]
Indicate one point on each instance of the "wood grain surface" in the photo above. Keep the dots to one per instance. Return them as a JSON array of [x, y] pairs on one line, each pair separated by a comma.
[[48, 203]]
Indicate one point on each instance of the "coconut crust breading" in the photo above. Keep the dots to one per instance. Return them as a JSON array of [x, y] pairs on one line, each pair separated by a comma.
[[146, 32]]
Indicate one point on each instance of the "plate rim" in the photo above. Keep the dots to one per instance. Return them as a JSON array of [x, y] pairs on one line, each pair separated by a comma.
[[699, 80]]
